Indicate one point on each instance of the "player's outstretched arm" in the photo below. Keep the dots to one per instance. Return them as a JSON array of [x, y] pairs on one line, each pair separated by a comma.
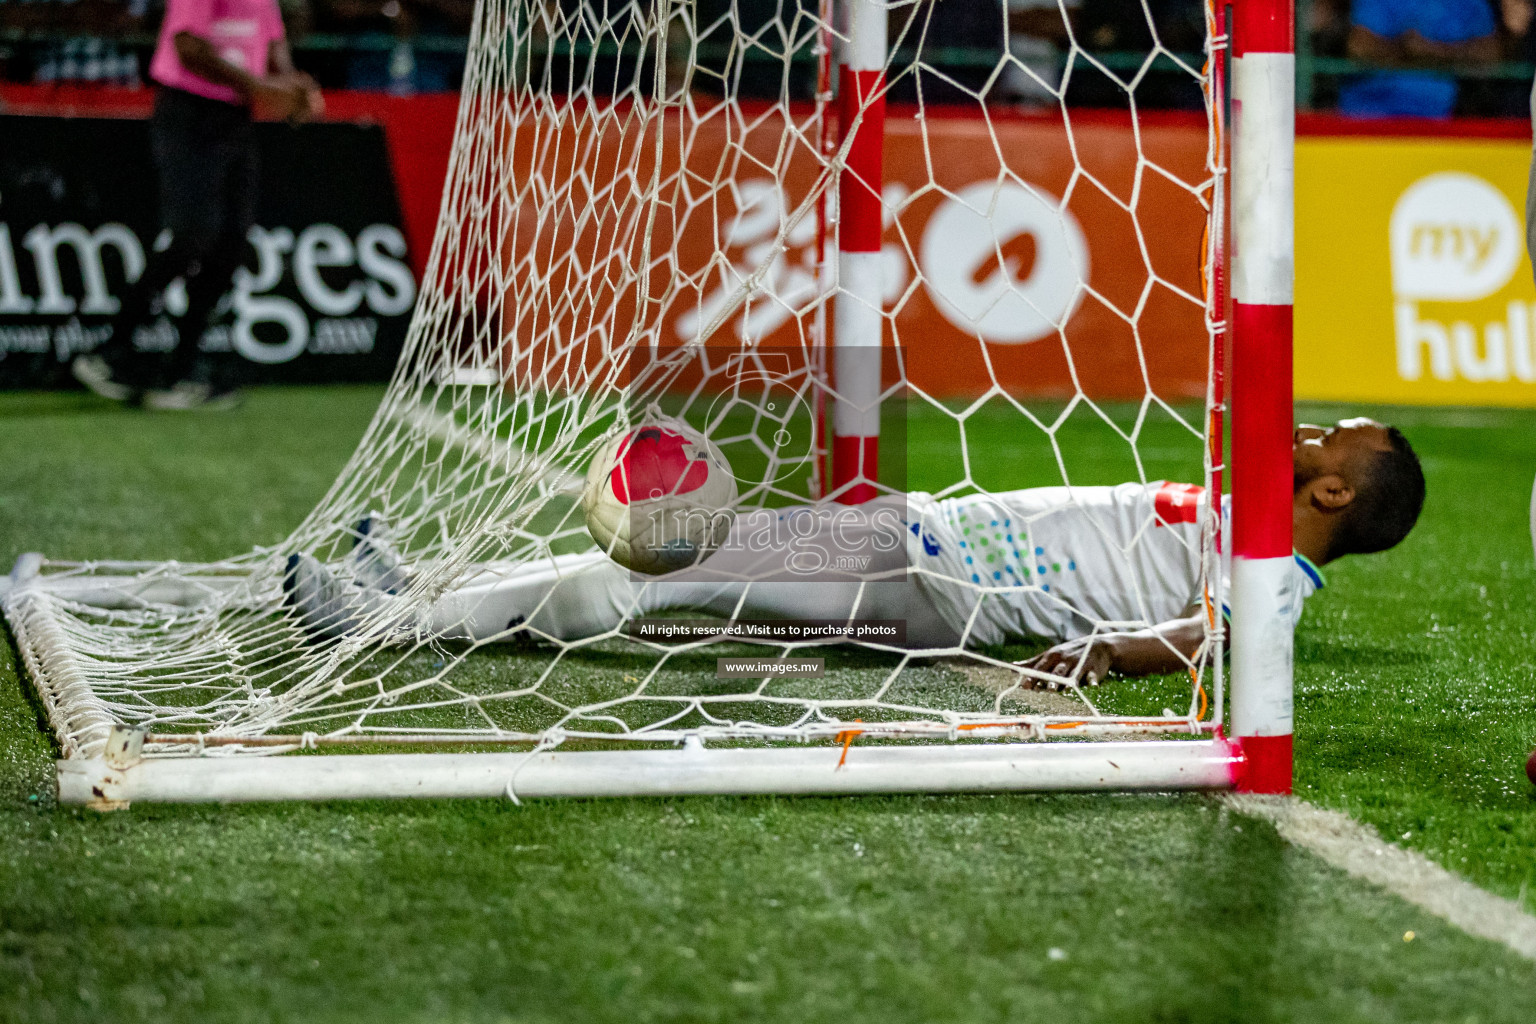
[[1167, 647]]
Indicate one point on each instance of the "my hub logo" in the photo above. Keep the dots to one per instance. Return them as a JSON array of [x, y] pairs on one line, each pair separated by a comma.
[[1456, 239]]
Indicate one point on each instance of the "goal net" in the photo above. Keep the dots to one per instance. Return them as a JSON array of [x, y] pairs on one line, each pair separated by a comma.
[[867, 260]]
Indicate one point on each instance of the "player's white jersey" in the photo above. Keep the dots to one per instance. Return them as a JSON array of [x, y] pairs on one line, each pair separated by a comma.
[[1056, 562]]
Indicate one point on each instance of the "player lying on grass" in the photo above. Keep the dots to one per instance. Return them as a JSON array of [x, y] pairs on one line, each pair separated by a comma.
[[1048, 562]]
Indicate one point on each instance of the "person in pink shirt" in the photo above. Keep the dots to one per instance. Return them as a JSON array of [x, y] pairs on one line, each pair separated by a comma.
[[217, 62]]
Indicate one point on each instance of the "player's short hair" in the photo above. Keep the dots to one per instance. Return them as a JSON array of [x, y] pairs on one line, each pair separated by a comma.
[[1388, 498]]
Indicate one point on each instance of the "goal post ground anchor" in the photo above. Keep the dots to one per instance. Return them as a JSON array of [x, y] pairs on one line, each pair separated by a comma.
[[1210, 764]]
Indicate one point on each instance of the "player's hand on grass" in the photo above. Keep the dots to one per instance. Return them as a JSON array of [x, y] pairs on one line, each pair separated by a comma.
[[1087, 659], [1170, 646]]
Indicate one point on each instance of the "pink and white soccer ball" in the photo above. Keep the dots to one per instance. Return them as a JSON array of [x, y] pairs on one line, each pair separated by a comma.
[[659, 498]]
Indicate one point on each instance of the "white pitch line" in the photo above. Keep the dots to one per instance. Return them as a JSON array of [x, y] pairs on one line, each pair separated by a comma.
[[1360, 851], [449, 431]]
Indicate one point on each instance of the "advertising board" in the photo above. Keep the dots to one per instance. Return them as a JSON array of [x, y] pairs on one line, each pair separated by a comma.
[[325, 294], [1021, 254], [1412, 281]]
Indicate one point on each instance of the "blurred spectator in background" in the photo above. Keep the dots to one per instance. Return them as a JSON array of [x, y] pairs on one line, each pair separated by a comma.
[[1413, 35], [961, 42], [1515, 19], [1037, 32], [1504, 95], [215, 61], [1104, 27], [82, 39], [404, 66], [1328, 26]]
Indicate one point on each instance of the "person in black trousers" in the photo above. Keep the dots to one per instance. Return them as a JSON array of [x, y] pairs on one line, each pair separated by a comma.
[[216, 60]]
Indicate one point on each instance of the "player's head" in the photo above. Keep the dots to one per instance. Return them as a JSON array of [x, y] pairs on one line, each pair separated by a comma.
[[1364, 477]]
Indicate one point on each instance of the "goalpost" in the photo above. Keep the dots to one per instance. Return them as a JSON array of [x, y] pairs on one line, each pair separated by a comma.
[[625, 231]]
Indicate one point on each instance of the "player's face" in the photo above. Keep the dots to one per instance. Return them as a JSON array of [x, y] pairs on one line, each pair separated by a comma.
[[1319, 451]]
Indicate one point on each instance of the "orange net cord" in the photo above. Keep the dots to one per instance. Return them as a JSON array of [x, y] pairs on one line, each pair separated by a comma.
[[846, 738]]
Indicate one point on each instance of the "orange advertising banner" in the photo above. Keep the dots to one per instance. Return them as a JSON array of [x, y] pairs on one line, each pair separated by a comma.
[[1027, 254], [1050, 261]]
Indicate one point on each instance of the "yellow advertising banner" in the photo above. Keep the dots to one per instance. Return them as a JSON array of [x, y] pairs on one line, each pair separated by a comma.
[[1412, 282]]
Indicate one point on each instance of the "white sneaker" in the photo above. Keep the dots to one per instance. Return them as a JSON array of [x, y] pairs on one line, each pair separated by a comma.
[[374, 558], [188, 396], [332, 608], [96, 374]]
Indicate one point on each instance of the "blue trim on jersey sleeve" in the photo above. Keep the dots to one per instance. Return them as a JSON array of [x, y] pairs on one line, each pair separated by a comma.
[[1313, 572]]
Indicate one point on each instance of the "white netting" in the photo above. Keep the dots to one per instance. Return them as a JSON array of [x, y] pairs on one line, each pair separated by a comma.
[[652, 185]]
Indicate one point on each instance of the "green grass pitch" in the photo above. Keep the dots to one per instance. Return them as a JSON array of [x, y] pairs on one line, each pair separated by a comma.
[[1415, 712]]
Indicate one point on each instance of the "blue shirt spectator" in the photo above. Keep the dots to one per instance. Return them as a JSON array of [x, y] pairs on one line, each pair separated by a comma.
[[1409, 33]]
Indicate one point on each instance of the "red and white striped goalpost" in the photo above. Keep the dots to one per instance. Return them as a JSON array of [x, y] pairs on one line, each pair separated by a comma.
[[857, 313], [1263, 272]]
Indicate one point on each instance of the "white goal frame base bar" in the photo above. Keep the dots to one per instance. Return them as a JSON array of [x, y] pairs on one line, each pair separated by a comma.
[[692, 771]]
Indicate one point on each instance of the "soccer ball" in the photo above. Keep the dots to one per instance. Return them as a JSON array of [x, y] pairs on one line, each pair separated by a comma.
[[658, 498]]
